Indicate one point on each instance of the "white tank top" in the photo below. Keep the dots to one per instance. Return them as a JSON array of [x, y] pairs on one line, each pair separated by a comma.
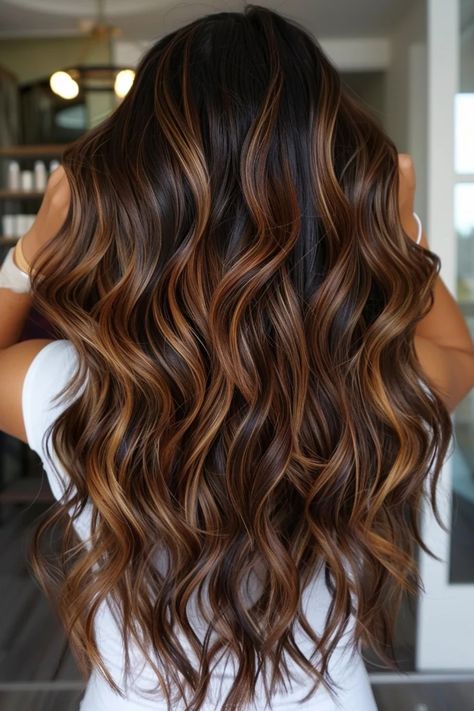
[[47, 375]]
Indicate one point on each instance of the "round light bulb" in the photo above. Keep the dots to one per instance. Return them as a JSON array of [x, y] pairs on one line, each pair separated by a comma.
[[123, 82], [64, 85]]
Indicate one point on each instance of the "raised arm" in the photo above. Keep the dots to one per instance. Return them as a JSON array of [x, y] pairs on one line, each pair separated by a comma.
[[443, 342]]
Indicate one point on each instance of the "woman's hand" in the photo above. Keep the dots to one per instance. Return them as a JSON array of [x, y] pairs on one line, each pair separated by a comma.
[[406, 194], [50, 216]]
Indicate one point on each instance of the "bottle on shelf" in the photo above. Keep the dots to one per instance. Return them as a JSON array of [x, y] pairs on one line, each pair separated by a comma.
[[53, 164], [9, 226], [13, 175], [23, 223], [13, 226], [26, 180], [40, 175]]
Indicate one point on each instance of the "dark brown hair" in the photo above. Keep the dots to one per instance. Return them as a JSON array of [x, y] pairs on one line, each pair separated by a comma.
[[235, 278]]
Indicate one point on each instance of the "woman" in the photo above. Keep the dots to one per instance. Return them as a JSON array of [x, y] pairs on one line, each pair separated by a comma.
[[251, 388]]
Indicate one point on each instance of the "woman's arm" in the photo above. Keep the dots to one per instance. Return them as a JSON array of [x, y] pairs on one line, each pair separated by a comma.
[[14, 310], [16, 357], [443, 342], [14, 307]]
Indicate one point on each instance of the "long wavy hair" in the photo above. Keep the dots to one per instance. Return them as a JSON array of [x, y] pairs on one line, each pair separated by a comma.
[[242, 296]]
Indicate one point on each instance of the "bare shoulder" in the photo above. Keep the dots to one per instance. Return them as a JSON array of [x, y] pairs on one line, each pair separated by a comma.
[[14, 364]]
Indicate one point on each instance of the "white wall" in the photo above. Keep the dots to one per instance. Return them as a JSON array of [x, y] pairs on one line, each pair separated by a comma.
[[348, 54]]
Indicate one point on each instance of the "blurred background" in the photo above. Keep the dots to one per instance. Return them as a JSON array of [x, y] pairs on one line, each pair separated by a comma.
[[64, 66]]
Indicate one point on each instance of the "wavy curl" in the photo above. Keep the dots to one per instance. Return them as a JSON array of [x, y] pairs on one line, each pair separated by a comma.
[[235, 278]]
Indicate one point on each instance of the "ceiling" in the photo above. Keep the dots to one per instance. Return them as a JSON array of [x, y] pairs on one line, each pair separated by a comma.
[[147, 19]]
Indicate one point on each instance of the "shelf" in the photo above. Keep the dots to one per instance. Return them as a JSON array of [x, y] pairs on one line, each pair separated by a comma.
[[33, 150], [20, 194]]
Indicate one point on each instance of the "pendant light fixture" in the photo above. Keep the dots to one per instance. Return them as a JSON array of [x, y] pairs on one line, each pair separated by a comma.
[[69, 81]]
